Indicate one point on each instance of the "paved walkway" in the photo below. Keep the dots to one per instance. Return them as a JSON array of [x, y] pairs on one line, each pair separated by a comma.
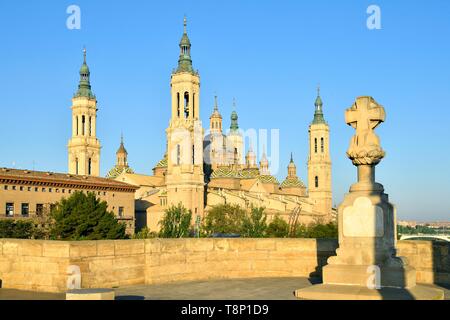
[[241, 289]]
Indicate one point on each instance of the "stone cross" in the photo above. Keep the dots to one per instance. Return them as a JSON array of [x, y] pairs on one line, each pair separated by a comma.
[[364, 116]]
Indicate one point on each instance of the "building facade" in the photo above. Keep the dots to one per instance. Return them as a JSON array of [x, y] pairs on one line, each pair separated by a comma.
[[203, 171], [26, 194]]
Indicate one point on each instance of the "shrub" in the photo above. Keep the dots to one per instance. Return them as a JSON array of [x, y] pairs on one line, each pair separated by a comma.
[[176, 222], [254, 224], [84, 217], [278, 228], [17, 229], [224, 218], [318, 231], [145, 233]]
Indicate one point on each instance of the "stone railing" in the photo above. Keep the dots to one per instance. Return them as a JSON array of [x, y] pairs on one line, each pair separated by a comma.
[[42, 265]]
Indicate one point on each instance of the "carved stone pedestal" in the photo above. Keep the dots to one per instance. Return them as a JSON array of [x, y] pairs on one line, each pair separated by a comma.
[[366, 265]]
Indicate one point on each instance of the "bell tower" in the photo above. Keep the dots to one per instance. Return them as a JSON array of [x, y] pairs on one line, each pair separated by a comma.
[[84, 147], [185, 178], [319, 162]]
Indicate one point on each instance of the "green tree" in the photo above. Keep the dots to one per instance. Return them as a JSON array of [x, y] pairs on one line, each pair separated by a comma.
[[84, 217], [318, 230], [17, 229], [277, 228], [176, 222], [145, 233], [254, 224], [224, 218]]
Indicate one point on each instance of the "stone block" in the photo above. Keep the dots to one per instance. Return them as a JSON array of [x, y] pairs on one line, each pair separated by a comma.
[[31, 248], [172, 258], [252, 255], [221, 255], [105, 248], [5, 265], [10, 247], [152, 260], [128, 262], [173, 245], [56, 249], [152, 245], [266, 244], [129, 273], [82, 249], [297, 245], [196, 257], [90, 294], [101, 264], [221, 244], [195, 245], [128, 247], [242, 244]]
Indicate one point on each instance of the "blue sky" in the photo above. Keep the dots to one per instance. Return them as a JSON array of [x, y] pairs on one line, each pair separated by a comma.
[[270, 55]]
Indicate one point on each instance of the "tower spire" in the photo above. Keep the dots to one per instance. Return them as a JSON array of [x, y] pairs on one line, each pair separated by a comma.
[[185, 61], [318, 113], [84, 86], [234, 118], [216, 107]]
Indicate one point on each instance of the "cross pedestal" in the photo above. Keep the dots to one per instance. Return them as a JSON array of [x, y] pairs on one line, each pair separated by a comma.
[[366, 265]]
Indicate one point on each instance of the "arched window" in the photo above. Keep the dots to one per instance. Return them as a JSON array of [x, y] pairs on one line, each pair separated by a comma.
[[76, 166], [193, 154], [186, 105], [322, 147], [178, 154], [77, 124], [83, 123], [193, 105], [316, 181], [178, 104], [315, 145], [89, 166], [90, 126]]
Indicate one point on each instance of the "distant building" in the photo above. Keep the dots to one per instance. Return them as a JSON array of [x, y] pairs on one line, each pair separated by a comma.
[[201, 172], [26, 194]]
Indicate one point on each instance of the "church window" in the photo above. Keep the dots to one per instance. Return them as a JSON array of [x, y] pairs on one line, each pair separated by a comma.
[[315, 145], [316, 182], [77, 124], [76, 166], [178, 154], [90, 126], [193, 154], [83, 123], [193, 105], [120, 211], [89, 166], [186, 105], [178, 104], [321, 145]]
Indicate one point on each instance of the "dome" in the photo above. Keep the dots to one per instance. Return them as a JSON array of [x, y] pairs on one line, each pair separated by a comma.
[[117, 171], [84, 69], [292, 183]]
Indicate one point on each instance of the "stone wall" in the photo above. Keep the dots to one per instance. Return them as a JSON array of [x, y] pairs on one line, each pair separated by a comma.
[[42, 265]]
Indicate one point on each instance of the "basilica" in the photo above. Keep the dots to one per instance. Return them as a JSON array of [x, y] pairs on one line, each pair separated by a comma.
[[200, 170]]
